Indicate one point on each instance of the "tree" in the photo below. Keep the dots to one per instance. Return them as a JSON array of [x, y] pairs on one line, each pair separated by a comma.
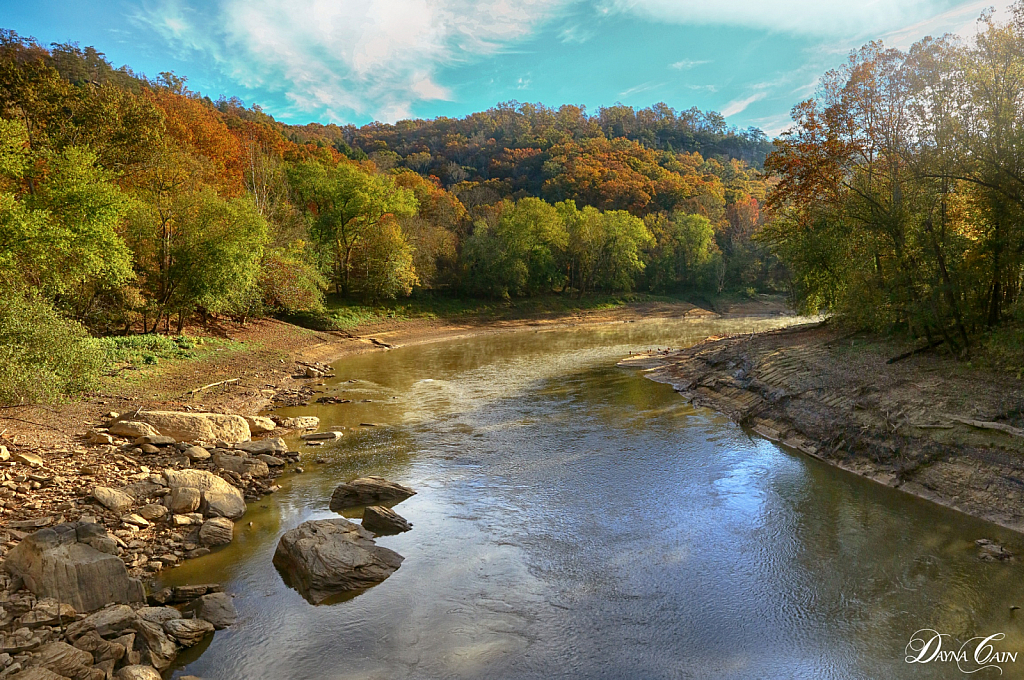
[[346, 205], [520, 254]]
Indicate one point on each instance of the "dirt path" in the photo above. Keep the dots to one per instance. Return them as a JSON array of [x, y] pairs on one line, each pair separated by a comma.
[[926, 424]]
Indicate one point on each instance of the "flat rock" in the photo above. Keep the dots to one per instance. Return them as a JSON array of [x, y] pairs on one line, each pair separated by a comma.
[[62, 658], [216, 531], [155, 440], [106, 622], [381, 520], [188, 427], [321, 436], [271, 461], [30, 459], [217, 608], [260, 424], [273, 445], [322, 558], [301, 423], [219, 499], [188, 632], [68, 562], [139, 672], [133, 429], [370, 490], [112, 499], [241, 465], [158, 615]]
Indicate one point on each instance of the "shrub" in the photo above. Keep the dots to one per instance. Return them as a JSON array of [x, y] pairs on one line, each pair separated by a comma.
[[43, 356]]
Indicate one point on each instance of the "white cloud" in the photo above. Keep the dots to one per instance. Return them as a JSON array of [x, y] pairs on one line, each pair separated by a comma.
[[814, 17], [687, 64], [640, 88], [740, 105], [368, 57]]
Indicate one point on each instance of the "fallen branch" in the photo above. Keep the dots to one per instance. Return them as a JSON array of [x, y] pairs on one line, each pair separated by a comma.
[[989, 425], [907, 355], [206, 387]]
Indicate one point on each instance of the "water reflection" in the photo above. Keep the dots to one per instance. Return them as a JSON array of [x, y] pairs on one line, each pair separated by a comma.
[[576, 520]]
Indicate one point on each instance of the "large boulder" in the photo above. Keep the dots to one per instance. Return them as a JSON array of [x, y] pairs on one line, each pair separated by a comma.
[[217, 608], [368, 491], [322, 558], [260, 424], [73, 563], [241, 464], [219, 499], [187, 427]]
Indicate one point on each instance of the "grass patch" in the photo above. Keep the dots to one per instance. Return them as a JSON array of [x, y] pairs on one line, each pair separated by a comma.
[[344, 314], [139, 351]]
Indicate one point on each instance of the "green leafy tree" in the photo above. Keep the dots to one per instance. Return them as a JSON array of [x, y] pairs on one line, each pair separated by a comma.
[[346, 205]]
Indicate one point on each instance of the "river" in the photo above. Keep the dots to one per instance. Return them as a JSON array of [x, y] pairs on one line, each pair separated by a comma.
[[575, 520]]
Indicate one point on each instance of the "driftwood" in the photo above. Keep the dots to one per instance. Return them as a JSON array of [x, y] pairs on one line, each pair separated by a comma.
[[989, 425], [206, 387]]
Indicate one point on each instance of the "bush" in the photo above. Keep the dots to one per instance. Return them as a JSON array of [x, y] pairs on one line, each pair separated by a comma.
[[43, 356]]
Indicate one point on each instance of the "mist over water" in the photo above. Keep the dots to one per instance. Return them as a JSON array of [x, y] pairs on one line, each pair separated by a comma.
[[574, 519]]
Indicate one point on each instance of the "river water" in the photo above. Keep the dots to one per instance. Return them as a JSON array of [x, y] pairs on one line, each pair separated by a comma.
[[575, 520]]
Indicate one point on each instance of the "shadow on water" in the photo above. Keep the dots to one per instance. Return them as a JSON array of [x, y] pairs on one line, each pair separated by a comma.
[[576, 520]]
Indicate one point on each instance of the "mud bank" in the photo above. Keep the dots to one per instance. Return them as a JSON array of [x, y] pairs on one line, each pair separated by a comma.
[[925, 424]]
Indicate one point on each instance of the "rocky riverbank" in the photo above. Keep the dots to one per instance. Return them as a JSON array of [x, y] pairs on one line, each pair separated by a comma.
[[922, 423], [85, 527]]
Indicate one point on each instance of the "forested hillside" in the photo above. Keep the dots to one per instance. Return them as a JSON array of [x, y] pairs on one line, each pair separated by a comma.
[[135, 205]]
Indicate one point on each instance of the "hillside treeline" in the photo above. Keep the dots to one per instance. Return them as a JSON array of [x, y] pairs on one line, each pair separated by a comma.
[[901, 186], [135, 205]]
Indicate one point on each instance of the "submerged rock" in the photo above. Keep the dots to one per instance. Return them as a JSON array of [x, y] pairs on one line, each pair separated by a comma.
[[74, 563], [368, 491], [381, 520], [327, 557]]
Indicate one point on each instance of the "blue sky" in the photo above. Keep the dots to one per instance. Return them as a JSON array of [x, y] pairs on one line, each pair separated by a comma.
[[355, 61]]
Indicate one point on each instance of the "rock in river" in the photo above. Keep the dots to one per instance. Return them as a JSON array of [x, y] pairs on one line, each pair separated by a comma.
[[368, 491], [74, 563], [327, 557], [217, 608], [381, 520], [216, 531]]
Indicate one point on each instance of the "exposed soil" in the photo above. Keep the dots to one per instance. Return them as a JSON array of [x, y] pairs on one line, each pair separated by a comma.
[[926, 424]]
